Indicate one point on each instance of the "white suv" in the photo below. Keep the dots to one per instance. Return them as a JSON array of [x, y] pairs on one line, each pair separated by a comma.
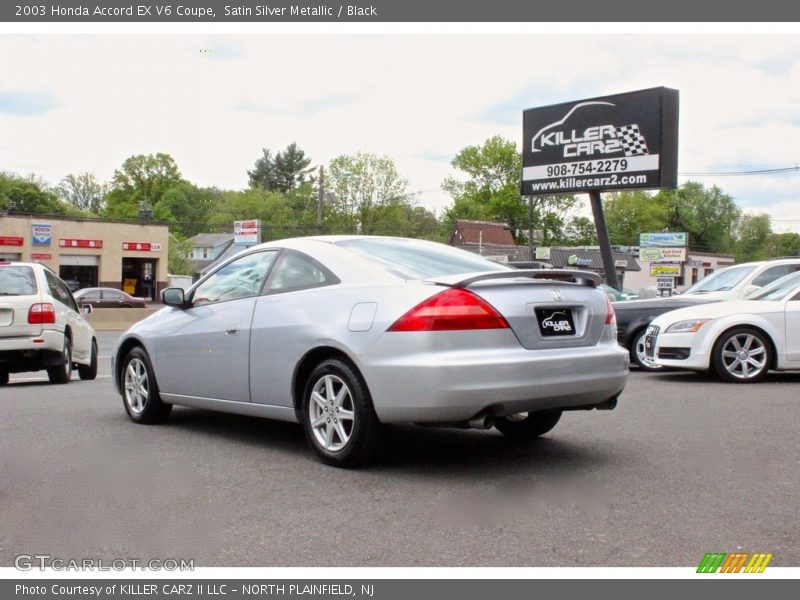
[[739, 281], [41, 326]]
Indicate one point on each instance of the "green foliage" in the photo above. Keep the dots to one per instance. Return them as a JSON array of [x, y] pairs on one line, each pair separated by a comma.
[[141, 181], [630, 213], [580, 231], [783, 244], [179, 257], [753, 234], [365, 194], [84, 192], [491, 192], [709, 216], [31, 195], [286, 171]]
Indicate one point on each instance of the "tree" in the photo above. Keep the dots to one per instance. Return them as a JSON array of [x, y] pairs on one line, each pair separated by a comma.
[[368, 193], [141, 181], [709, 215], [286, 171], [753, 234], [491, 191], [179, 256], [31, 195], [580, 231], [630, 213], [84, 192], [783, 244]]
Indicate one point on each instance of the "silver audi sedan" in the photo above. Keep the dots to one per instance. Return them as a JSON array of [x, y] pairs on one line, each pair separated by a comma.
[[346, 333]]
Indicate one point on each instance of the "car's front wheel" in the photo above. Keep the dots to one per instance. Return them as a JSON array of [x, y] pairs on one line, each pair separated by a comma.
[[638, 354], [62, 372], [742, 355], [140, 390], [528, 426], [338, 417], [89, 372]]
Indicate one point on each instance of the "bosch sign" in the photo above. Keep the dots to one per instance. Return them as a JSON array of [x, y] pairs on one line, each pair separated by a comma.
[[625, 141]]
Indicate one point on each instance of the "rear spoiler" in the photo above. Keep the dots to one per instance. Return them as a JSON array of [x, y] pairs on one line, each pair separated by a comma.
[[586, 278]]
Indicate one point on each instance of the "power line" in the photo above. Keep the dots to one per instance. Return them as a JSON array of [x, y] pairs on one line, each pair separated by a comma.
[[794, 169]]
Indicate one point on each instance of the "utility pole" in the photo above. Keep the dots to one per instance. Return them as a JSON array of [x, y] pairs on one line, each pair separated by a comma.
[[604, 240], [320, 199], [530, 227]]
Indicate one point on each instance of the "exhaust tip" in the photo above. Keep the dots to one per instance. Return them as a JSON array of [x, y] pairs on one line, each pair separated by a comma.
[[482, 422]]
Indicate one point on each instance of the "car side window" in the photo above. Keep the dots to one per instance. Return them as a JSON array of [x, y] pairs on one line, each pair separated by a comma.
[[60, 291], [773, 274], [89, 296], [238, 279], [112, 295], [296, 271]]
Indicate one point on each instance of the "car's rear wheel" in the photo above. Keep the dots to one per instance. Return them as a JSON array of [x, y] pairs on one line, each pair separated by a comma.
[[89, 372], [742, 355], [638, 354], [140, 390], [530, 426], [338, 417], [62, 372]]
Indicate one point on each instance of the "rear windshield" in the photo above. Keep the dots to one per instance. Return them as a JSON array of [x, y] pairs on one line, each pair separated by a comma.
[[417, 259], [17, 281]]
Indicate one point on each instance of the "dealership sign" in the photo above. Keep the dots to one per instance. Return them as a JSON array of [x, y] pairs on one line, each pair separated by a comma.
[[624, 141], [662, 254], [42, 234], [672, 240], [141, 247]]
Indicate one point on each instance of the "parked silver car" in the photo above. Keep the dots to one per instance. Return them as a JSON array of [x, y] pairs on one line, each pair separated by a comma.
[[343, 334]]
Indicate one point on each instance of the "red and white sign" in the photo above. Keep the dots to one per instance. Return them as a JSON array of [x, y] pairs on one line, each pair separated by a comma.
[[10, 241], [247, 233], [41, 256], [141, 246], [68, 243]]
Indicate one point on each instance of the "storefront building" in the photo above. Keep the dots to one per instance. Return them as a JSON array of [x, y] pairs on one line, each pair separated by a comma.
[[90, 253]]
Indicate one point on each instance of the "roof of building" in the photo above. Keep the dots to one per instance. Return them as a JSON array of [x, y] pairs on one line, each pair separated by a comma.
[[589, 259], [481, 232], [210, 240]]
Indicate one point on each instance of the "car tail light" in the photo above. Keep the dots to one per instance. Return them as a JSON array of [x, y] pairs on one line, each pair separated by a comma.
[[451, 310], [42, 313], [611, 316]]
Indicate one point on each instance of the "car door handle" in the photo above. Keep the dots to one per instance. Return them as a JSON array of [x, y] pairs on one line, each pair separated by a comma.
[[232, 331]]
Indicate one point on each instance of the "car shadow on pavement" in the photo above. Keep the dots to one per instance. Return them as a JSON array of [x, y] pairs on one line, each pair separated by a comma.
[[430, 450], [707, 377]]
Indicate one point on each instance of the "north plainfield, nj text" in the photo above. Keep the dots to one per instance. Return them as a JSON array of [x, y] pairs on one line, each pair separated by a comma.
[[296, 10]]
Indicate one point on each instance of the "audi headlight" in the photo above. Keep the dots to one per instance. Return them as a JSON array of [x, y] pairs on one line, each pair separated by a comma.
[[689, 326]]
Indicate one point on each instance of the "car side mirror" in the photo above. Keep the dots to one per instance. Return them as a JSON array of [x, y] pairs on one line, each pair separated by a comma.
[[173, 297], [86, 309]]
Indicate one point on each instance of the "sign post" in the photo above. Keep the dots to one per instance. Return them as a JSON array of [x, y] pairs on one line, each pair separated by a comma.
[[619, 142]]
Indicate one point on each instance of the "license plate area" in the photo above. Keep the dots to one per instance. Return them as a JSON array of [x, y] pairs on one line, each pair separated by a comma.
[[555, 321]]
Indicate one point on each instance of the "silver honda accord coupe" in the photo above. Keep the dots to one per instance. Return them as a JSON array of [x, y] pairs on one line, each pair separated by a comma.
[[346, 333]]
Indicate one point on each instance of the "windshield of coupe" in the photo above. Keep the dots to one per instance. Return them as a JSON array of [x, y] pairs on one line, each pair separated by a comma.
[[17, 281], [778, 289], [721, 281], [413, 259]]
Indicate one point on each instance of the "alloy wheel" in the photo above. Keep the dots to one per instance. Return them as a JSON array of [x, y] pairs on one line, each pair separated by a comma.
[[744, 356], [137, 386], [331, 413]]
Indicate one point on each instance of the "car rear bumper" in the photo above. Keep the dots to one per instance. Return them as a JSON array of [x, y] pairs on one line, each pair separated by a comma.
[[456, 385], [33, 353]]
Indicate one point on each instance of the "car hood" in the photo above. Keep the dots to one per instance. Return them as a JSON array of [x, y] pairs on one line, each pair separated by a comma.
[[717, 310]]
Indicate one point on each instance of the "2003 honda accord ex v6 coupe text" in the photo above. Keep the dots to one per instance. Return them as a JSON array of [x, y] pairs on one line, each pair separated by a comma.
[[346, 333]]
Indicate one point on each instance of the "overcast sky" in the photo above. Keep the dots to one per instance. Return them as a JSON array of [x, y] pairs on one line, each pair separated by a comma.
[[75, 103]]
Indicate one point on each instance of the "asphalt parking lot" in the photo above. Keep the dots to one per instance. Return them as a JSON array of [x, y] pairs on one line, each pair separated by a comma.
[[685, 465]]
